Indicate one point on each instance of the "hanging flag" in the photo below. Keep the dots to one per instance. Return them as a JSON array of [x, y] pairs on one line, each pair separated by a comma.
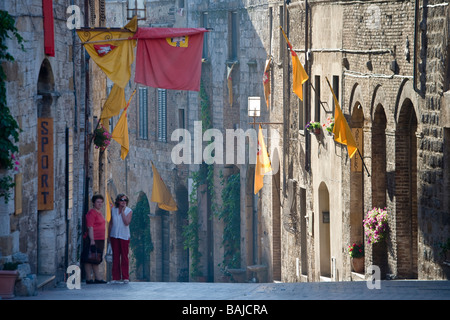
[[266, 82], [169, 58], [263, 165], [299, 74], [114, 103], [341, 130], [120, 134], [230, 84], [160, 194], [108, 207], [49, 27], [113, 55]]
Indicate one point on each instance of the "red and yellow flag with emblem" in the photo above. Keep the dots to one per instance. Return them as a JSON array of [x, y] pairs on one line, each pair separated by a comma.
[[112, 51], [169, 58]]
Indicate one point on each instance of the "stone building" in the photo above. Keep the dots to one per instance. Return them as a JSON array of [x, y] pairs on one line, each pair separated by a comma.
[[388, 64], [156, 113], [152, 117], [44, 87]]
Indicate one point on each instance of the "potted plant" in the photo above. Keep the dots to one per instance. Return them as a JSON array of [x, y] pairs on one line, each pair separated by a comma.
[[102, 138], [356, 252], [313, 127], [329, 125], [376, 225], [8, 278]]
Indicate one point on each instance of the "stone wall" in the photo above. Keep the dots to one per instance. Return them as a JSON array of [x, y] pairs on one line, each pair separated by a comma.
[[50, 237], [403, 138]]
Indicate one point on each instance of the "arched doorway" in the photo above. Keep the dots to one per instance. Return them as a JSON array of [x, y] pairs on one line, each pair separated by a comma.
[[406, 191], [276, 220], [46, 215], [182, 199], [141, 242], [324, 231], [379, 180], [45, 88], [356, 177]]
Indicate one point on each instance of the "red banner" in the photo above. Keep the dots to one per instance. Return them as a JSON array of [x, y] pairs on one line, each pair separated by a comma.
[[169, 58], [49, 32]]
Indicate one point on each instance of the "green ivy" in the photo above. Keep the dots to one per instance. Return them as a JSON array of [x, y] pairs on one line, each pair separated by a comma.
[[205, 175], [9, 134], [190, 231], [141, 243], [230, 213]]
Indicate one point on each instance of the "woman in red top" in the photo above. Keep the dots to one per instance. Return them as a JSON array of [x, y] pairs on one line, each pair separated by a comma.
[[95, 224]]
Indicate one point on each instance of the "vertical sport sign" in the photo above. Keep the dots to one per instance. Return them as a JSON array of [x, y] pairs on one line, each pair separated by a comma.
[[45, 164]]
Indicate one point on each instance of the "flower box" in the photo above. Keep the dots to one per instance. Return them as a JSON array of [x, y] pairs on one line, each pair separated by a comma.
[[7, 281], [313, 127]]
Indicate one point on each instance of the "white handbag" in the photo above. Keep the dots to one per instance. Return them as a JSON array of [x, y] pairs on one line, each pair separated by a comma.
[[108, 255]]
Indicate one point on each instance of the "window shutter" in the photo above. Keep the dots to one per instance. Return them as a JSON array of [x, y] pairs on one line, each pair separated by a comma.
[[143, 113], [162, 115]]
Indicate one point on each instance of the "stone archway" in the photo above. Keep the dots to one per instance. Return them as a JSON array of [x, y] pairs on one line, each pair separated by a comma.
[[406, 226], [324, 231], [379, 180], [357, 177], [182, 254], [46, 215], [141, 241]]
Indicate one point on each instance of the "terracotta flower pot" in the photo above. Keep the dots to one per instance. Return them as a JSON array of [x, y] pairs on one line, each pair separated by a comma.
[[358, 265], [7, 281]]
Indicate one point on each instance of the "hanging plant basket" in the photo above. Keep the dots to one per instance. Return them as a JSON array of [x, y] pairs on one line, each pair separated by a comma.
[[102, 138], [376, 225]]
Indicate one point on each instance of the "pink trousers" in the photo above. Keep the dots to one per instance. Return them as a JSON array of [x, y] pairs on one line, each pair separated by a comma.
[[120, 264]]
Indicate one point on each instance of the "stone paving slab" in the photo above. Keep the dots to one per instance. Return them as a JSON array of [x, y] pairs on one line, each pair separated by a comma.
[[357, 290]]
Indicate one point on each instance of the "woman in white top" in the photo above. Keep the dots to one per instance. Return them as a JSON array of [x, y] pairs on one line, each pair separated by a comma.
[[119, 233]]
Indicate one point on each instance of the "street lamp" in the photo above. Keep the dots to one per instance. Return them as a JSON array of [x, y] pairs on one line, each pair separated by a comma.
[[254, 108], [136, 8]]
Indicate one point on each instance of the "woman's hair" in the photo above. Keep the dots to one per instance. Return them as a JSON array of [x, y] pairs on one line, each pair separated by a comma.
[[119, 196], [97, 196]]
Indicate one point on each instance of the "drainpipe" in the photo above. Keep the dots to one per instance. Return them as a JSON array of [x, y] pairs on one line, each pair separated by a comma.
[[85, 70], [306, 94], [416, 15]]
